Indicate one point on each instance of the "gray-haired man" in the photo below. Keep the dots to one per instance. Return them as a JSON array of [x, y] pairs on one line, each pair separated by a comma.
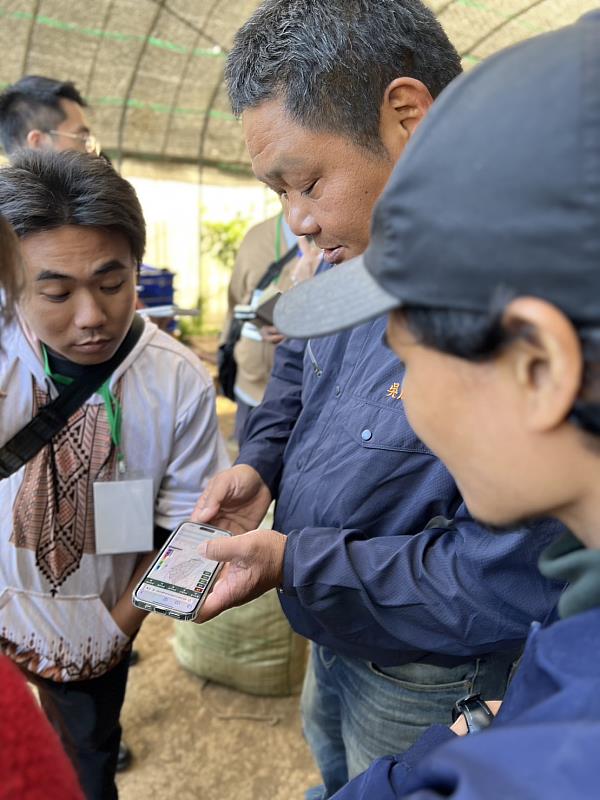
[[381, 566]]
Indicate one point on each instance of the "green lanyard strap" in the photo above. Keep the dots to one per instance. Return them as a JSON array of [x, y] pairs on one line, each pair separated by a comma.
[[278, 237], [114, 412]]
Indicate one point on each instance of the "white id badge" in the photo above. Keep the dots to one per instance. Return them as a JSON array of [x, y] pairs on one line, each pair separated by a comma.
[[123, 516]]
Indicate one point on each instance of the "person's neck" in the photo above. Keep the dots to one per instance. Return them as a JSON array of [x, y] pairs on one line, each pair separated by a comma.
[[582, 515], [63, 366]]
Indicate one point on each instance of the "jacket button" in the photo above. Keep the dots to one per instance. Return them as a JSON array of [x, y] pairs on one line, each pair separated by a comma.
[[338, 391], [366, 435]]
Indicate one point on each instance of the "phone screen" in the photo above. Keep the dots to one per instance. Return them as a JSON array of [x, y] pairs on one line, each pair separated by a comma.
[[180, 576]]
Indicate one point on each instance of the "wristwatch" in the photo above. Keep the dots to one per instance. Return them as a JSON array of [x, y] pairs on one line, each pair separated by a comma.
[[476, 712]]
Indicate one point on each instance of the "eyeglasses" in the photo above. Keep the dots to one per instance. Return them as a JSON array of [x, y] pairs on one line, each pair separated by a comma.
[[90, 143]]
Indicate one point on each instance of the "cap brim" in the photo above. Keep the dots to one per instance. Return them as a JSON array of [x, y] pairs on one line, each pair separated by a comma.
[[341, 298]]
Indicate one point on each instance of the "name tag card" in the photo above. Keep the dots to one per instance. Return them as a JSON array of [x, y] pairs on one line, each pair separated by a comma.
[[124, 518]]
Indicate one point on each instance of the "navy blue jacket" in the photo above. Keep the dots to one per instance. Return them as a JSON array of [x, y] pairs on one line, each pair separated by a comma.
[[357, 490], [544, 744]]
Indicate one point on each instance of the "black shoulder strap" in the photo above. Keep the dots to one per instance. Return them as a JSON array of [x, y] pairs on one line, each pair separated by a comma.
[[53, 417], [235, 327], [276, 268]]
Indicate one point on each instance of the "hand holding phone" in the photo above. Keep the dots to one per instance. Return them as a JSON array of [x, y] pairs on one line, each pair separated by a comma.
[[254, 565], [180, 578]]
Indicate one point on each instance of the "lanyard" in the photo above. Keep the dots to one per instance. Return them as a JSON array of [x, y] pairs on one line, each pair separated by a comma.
[[114, 412], [278, 237]]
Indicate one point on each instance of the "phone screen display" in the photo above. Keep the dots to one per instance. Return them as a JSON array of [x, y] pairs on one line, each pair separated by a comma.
[[180, 576]]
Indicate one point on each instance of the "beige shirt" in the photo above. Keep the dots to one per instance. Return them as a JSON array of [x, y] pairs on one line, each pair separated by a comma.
[[255, 359]]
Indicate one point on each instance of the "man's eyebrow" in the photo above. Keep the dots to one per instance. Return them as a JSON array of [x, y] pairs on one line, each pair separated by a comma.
[[273, 175], [284, 166], [50, 275], [110, 266]]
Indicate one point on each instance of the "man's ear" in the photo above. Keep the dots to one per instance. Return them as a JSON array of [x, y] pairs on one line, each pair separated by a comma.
[[36, 140], [405, 103], [545, 359]]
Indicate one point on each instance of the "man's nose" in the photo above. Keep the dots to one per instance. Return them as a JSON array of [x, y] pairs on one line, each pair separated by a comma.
[[301, 219], [89, 312]]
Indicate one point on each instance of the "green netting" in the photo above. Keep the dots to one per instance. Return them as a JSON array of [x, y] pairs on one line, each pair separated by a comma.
[[153, 69]]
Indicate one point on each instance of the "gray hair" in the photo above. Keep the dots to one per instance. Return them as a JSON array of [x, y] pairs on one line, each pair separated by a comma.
[[44, 190], [331, 60]]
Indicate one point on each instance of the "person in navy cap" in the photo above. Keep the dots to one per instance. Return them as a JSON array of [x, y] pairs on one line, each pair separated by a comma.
[[498, 326]]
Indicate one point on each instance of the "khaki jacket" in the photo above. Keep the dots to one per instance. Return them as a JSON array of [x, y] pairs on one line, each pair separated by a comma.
[[257, 251]]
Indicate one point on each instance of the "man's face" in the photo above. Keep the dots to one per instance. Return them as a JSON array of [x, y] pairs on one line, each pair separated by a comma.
[[71, 132], [80, 292], [327, 184]]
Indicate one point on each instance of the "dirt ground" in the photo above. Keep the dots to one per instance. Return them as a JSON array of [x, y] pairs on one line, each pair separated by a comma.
[[193, 739]]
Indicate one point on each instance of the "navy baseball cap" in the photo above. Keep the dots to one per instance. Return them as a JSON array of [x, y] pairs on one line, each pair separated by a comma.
[[498, 189]]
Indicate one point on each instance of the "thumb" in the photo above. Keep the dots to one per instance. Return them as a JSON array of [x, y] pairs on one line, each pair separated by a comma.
[[206, 508], [209, 502], [222, 549]]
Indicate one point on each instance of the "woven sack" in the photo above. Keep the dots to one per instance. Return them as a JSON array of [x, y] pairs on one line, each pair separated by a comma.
[[251, 648]]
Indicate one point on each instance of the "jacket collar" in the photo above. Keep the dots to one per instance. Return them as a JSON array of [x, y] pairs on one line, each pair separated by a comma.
[[567, 559]]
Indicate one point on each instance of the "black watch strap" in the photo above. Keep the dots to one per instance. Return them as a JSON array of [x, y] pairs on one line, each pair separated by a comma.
[[476, 712]]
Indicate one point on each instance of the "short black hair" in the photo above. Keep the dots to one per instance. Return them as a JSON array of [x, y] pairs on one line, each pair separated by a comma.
[[331, 60], [33, 102], [480, 336], [44, 190]]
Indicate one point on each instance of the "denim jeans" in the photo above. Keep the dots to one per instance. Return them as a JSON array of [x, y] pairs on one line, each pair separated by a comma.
[[354, 712]]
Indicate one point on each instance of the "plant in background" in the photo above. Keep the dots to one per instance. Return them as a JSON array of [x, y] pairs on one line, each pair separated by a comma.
[[219, 246], [221, 240]]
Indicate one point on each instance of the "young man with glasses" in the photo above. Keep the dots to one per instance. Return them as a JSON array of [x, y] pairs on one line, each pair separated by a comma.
[[38, 113]]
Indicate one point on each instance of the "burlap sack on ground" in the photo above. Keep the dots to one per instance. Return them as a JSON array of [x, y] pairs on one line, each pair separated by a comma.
[[251, 648]]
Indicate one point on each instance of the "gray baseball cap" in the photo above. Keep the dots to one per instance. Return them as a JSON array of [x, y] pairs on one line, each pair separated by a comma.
[[498, 189]]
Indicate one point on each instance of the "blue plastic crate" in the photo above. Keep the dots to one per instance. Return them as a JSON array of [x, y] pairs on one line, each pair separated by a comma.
[[156, 286], [156, 289]]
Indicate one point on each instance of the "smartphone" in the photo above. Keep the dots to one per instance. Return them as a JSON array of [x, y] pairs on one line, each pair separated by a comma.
[[261, 314], [244, 312], [180, 578]]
